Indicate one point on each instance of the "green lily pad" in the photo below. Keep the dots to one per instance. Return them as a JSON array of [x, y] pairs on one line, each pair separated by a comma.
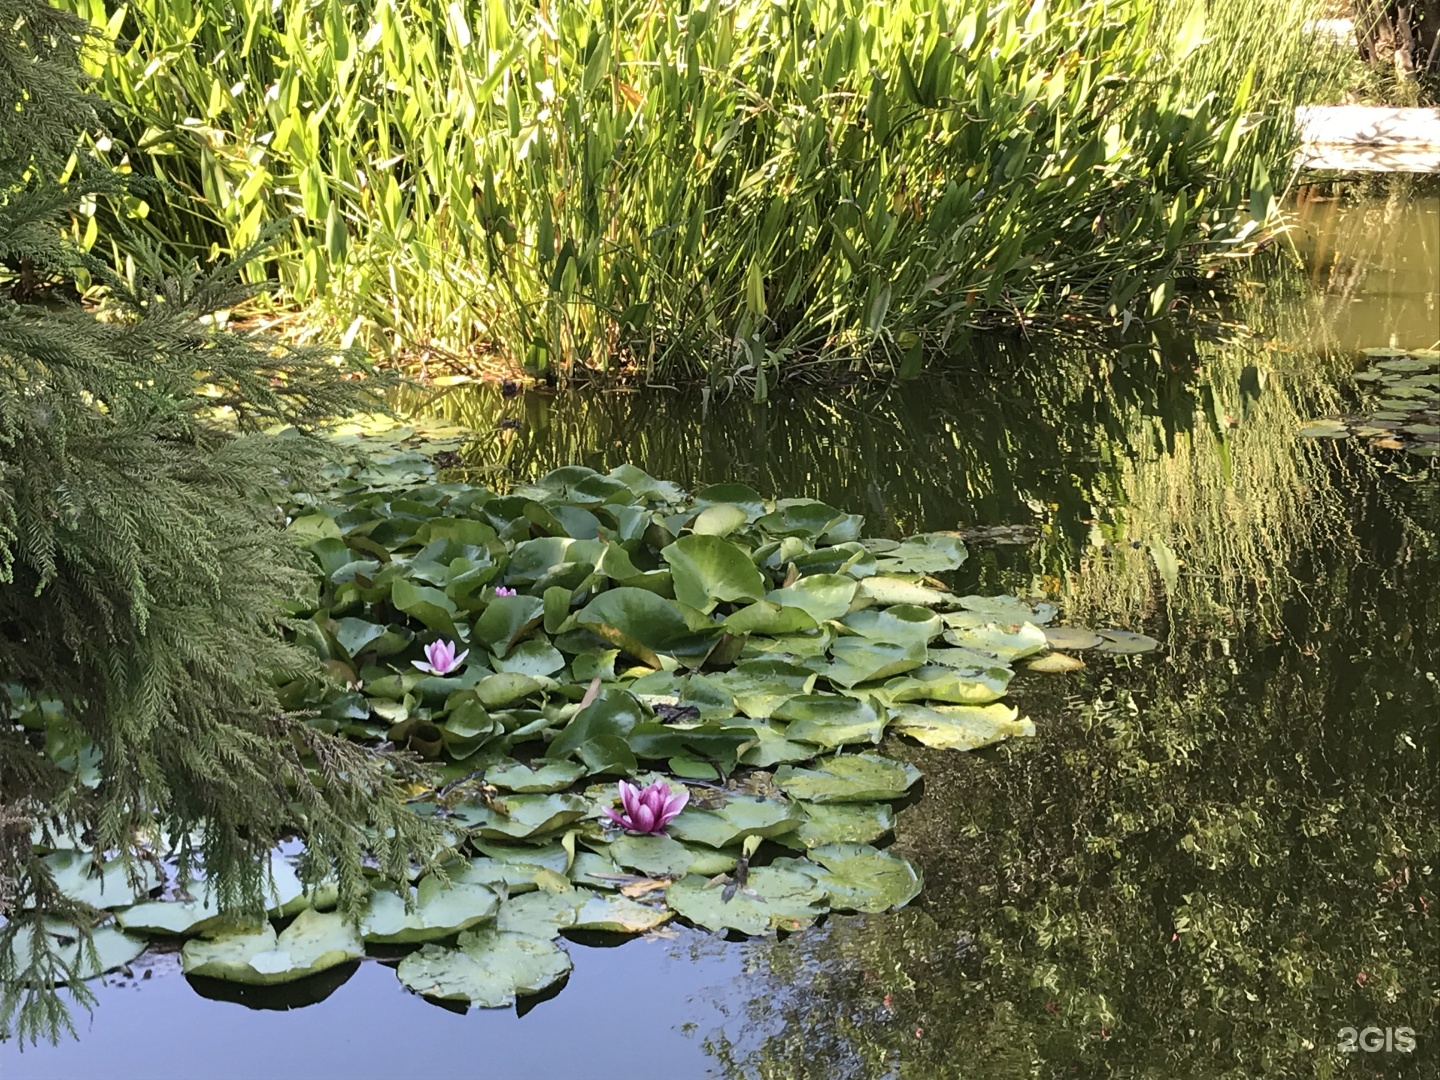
[[486, 968], [848, 778], [887, 591], [788, 900], [722, 519], [313, 943], [1008, 609], [438, 910], [821, 596], [635, 620], [525, 779], [771, 747], [505, 688], [857, 877], [830, 721], [960, 727], [618, 915], [172, 918], [930, 553], [903, 624], [935, 683], [759, 686], [858, 659], [1005, 642], [764, 617], [112, 948], [1071, 638], [540, 914], [664, 856], [709, 569], [429, 606], [535, 657], [516, 817], [506, 620], [727, 825], [76, 876], [1126, 642], [841, 823]]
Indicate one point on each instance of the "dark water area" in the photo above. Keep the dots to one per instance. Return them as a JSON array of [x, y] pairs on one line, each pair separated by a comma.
[[1214, 861]]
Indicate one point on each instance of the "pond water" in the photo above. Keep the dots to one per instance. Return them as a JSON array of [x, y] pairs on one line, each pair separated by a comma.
[[1210, 862]]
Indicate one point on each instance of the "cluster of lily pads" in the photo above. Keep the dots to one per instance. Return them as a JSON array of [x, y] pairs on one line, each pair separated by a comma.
[[743, 657], [1405, 414]]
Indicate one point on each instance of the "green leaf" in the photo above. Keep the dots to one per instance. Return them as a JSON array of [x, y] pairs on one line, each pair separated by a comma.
[[665, 856], [758, 686], [788, 900], [930, 553], [487, 968], [764, 617], [955, 687], [960, 727], [830, 721], [857, 660], [729, 824], [312, 943], [1005, 642], [438, 910], [709, 569], [535, 657], [507, 619], [903, 624], [841, 823], [429, 606], [618, 915], [821, 596], [1126, 642], [550, 776], [76, 876], [635, 620], [848, 778], [517, 817], [857, 877], [114, 949]]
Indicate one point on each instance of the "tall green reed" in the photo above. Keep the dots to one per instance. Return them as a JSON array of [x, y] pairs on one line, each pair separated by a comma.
[[708, 188]]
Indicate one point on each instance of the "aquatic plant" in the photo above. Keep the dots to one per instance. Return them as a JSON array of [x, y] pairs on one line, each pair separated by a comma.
[[440, 658], [708, 189], [650, 809]]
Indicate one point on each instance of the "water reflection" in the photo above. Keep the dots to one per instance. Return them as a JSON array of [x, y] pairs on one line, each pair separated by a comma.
[[1207, 863]]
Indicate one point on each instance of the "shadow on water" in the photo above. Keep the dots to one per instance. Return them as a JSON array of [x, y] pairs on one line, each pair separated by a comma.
[[1209, 863]]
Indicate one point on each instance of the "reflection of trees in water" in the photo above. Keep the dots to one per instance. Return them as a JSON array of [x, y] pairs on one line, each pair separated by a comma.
[[1207, 863]]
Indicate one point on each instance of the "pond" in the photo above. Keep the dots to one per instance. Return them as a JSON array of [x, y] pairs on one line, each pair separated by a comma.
[[1212, 861]]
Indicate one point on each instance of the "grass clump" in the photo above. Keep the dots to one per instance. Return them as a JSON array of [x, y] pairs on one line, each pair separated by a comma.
[[698, 189]]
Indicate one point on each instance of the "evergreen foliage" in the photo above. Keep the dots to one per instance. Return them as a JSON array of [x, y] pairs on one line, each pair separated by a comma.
[[143, 556]]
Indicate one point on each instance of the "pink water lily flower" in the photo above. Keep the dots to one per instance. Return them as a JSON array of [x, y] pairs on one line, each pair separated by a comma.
[[441, 655], [501, 590], [648, 810]]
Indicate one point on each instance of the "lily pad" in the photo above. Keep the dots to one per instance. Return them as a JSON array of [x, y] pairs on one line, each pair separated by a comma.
[[842, 823], [831, 721], [821, 596], [858, 659], [889, 591], [438, 910], [902, 624], [540, 914], [709, 569], [108, 887], [664, 856], [848, 778], [525, 779], [1055, 663], [960, 727], [487, 968], [787, 900], [1008, 609], [1126, 642], [929, 553], [729, 824], [759, 686], [618, 915], [314, 942], [1005, 642], [517, 817], [1071, 638], [857, 877], [112, 948]]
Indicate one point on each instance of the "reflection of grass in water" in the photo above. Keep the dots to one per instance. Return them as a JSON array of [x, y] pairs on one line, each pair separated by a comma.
[[1208, 511]]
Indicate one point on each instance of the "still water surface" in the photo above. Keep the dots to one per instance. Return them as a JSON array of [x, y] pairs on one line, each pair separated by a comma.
[[1210, 861]]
